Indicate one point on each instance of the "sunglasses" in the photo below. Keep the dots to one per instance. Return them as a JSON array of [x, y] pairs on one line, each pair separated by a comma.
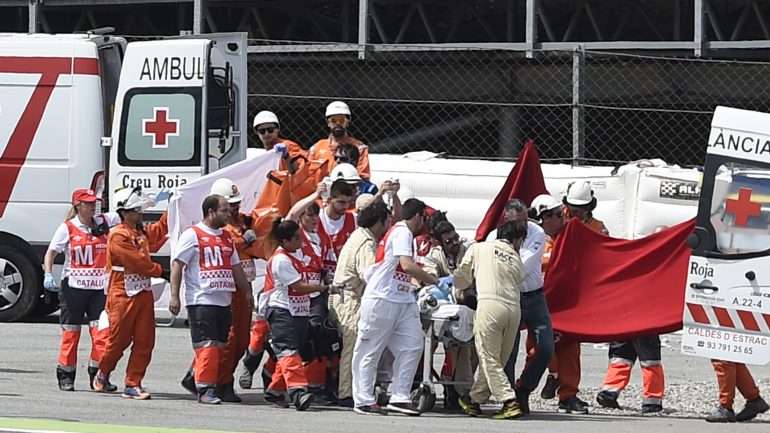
[[264, 131], [453, 240]]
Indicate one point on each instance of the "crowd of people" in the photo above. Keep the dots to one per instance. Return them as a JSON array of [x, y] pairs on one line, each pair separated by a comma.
[[337, 321]]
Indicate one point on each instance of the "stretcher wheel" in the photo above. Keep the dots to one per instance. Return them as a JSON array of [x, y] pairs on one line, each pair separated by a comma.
[[424, 398]]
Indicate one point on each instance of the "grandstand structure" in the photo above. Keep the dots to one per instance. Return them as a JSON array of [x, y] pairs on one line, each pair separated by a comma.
[[591, 81], [686, 27]]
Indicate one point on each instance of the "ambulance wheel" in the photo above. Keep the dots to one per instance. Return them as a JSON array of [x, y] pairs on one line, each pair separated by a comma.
[[20, 284], [424, 398]]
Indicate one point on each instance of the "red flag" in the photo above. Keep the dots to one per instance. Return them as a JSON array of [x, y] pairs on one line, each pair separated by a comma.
[[525, 182], [600, 288]]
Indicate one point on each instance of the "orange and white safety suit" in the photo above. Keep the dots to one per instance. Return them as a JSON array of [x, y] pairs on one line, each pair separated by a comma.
[[130, 303], [732, 375], [326, 148]]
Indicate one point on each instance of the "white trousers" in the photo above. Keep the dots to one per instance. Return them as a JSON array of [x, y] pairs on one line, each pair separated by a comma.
[[384, 324]]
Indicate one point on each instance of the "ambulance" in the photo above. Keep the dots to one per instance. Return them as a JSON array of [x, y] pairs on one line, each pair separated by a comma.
[[727, 297], [91, 110]]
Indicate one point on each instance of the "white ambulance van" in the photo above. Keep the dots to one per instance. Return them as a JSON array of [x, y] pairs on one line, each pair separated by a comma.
[[91, 110], [727, 298]]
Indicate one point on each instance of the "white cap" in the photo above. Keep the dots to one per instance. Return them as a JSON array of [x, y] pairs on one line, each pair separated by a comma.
[[346, 172], [264, 117], [227, 189], [579, 193], [337, 107], [128, 198], [544, 202], [363, 200]]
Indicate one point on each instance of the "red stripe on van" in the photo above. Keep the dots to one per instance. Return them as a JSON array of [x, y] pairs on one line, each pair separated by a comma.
[[723, 317], [747, 317], [698, 313], [49, 68]]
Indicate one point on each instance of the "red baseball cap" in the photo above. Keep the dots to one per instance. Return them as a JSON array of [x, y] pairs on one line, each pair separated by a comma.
[[84, 195]]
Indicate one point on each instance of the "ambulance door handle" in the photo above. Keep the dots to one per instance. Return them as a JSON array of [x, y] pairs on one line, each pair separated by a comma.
[[751, 276], [699, 286]]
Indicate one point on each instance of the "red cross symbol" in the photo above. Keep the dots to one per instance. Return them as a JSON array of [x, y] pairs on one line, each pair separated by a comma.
[[743, 208], [160, 127]]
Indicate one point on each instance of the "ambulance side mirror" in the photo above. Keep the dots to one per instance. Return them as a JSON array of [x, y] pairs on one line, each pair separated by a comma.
[[106, 142]]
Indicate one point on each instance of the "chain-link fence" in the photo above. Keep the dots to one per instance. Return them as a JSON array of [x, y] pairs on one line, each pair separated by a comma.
[[586, 107]]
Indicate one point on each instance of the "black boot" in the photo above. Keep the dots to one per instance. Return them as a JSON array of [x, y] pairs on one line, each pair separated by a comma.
[[250, 365], [91, 375], [188, 382], [66, 379], [227, 393]]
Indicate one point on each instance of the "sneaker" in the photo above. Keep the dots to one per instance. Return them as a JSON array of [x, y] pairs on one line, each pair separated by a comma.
[[549, 389], [372, 409], [469, 407], [91, 375], [522, 398], [404, 408], [278, 400], [510, 410], [721, 414], [652, 408], [101, 383], [66, 379], [227, 393], [188, 383], [136, 393], [304, 400], [752, 409], [582, 402], [573, 405], [608, 399], [209, 396]]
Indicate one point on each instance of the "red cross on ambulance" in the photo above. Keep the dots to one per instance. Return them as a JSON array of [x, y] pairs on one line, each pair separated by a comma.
[[743, 207], [160, 127]]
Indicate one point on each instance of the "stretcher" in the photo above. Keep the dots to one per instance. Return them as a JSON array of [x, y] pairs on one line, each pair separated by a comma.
[[450, 324]]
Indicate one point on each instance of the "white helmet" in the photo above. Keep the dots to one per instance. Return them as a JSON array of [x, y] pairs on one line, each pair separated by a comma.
[[579, 193], [544, 202], [264, 117], [337, 107], [346, 172], [227, 189], [129, 199]]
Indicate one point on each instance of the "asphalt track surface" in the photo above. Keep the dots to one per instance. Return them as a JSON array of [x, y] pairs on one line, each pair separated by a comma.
[[31, 402]]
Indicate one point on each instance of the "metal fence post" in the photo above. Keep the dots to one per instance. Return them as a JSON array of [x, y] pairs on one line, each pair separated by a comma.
[[363, 28], [578, 126], [34, 15], [199, 16]]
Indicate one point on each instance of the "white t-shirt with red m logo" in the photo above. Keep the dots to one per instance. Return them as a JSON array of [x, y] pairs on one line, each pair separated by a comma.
[[386, 279]]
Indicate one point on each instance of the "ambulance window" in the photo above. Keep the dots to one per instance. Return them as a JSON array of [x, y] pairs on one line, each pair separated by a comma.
[[740, 209], [160, 126]]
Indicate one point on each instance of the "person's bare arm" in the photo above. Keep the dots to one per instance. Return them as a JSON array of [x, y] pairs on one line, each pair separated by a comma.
[[410, 267], [174, 304]]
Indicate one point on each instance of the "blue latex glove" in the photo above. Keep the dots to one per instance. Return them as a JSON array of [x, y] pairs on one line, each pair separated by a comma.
[[49, 282], [439, 293], [162, 195], [282, 149], [249, 236], [447, 281]]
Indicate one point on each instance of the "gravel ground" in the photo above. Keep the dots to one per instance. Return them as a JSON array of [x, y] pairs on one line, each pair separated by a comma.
[[28, 391]]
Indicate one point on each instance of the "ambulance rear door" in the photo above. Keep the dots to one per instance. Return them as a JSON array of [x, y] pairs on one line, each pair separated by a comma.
[[180, 112], [727, 298]]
